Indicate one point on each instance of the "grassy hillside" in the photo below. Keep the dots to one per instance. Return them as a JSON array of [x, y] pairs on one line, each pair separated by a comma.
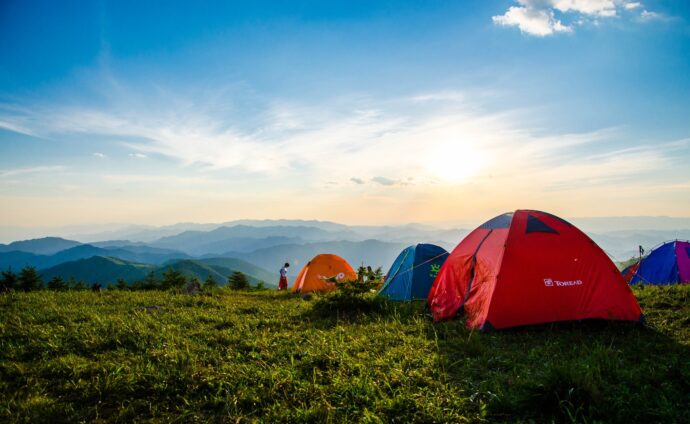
[[106, 270], [192, 269], [228, 265], [99, 269], [239, 357], [219, 268]]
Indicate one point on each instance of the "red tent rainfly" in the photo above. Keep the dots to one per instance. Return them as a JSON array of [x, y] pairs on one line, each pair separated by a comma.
[[529, 267]]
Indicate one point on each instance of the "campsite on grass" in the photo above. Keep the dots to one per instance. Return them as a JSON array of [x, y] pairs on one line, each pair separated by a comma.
[[561, 338]]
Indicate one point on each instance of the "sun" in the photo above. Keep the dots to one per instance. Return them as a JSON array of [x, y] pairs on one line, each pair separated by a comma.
[[454, 161]]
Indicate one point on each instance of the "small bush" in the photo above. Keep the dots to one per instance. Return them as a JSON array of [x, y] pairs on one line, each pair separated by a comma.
[[355, 288], [121, 284], [30, 279], [8, 281], [238, 281], [57, 283], [173, 279], [352, 299], [210, 284]]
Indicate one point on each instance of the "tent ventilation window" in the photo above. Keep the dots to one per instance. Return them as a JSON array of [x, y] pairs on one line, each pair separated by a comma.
[[535, 225]]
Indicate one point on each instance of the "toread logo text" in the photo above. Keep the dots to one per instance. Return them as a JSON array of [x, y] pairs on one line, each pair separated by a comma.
[[548, 282]]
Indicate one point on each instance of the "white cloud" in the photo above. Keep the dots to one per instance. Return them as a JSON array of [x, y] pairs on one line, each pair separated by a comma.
[[650, 16], [604, 8], [99, 155], [538, 17], [137, 155], [539, 22]]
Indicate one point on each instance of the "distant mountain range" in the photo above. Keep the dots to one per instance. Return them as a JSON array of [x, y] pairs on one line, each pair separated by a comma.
[[245, 238], [624, 244], [145, 254], [333, 231], [144, 233], [374, 253], [42, 246], [256, 246]]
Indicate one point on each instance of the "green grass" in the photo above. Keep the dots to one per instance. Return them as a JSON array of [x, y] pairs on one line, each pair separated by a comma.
[[265, 356]]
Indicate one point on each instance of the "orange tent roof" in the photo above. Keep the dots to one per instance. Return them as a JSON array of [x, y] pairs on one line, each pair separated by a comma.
[[320, 273]]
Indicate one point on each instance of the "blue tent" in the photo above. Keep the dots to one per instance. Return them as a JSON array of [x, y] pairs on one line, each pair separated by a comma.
[[667, 264], [413, 272]]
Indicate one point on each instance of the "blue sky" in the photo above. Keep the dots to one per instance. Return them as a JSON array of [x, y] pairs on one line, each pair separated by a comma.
[[359, 112]]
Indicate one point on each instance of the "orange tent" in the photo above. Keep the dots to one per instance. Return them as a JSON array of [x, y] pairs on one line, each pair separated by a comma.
[[321, 273]]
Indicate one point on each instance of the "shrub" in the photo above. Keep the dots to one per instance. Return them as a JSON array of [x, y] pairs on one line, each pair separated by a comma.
[[173, 279], [121, 284], [210, 284], [238, 281], [30, 279], [148, 283], [355, 288], [77, 285], [57, 283], [8, 281]]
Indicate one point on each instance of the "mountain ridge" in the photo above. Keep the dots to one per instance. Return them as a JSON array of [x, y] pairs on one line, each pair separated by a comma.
[[40, 246], [107, 270]]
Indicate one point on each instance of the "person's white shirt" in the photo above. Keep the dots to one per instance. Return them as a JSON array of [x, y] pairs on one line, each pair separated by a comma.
[[283, 272]]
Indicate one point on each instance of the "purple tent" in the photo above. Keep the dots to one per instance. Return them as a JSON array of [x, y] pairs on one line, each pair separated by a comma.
[[666, 264]]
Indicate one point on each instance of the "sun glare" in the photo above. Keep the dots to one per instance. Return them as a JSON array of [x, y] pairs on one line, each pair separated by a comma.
[[454, 161]]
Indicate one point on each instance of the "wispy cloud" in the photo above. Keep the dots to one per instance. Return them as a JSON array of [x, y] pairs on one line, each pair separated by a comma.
[[99, 155], [384, 181], [450, 96], [31, 170], [383, 142], [649, 16], [156, 179], [16, 126]]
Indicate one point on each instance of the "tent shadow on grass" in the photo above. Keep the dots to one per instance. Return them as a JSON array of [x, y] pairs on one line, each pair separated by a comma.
[[591, 370], [570, 371]]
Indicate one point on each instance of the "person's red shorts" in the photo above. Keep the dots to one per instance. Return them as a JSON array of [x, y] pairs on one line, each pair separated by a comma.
[[282, 284]]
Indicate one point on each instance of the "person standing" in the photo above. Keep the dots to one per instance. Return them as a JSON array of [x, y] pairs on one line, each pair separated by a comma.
[[283, 283]]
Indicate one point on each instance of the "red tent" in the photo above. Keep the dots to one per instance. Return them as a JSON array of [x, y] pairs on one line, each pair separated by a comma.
[[529, 267]]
